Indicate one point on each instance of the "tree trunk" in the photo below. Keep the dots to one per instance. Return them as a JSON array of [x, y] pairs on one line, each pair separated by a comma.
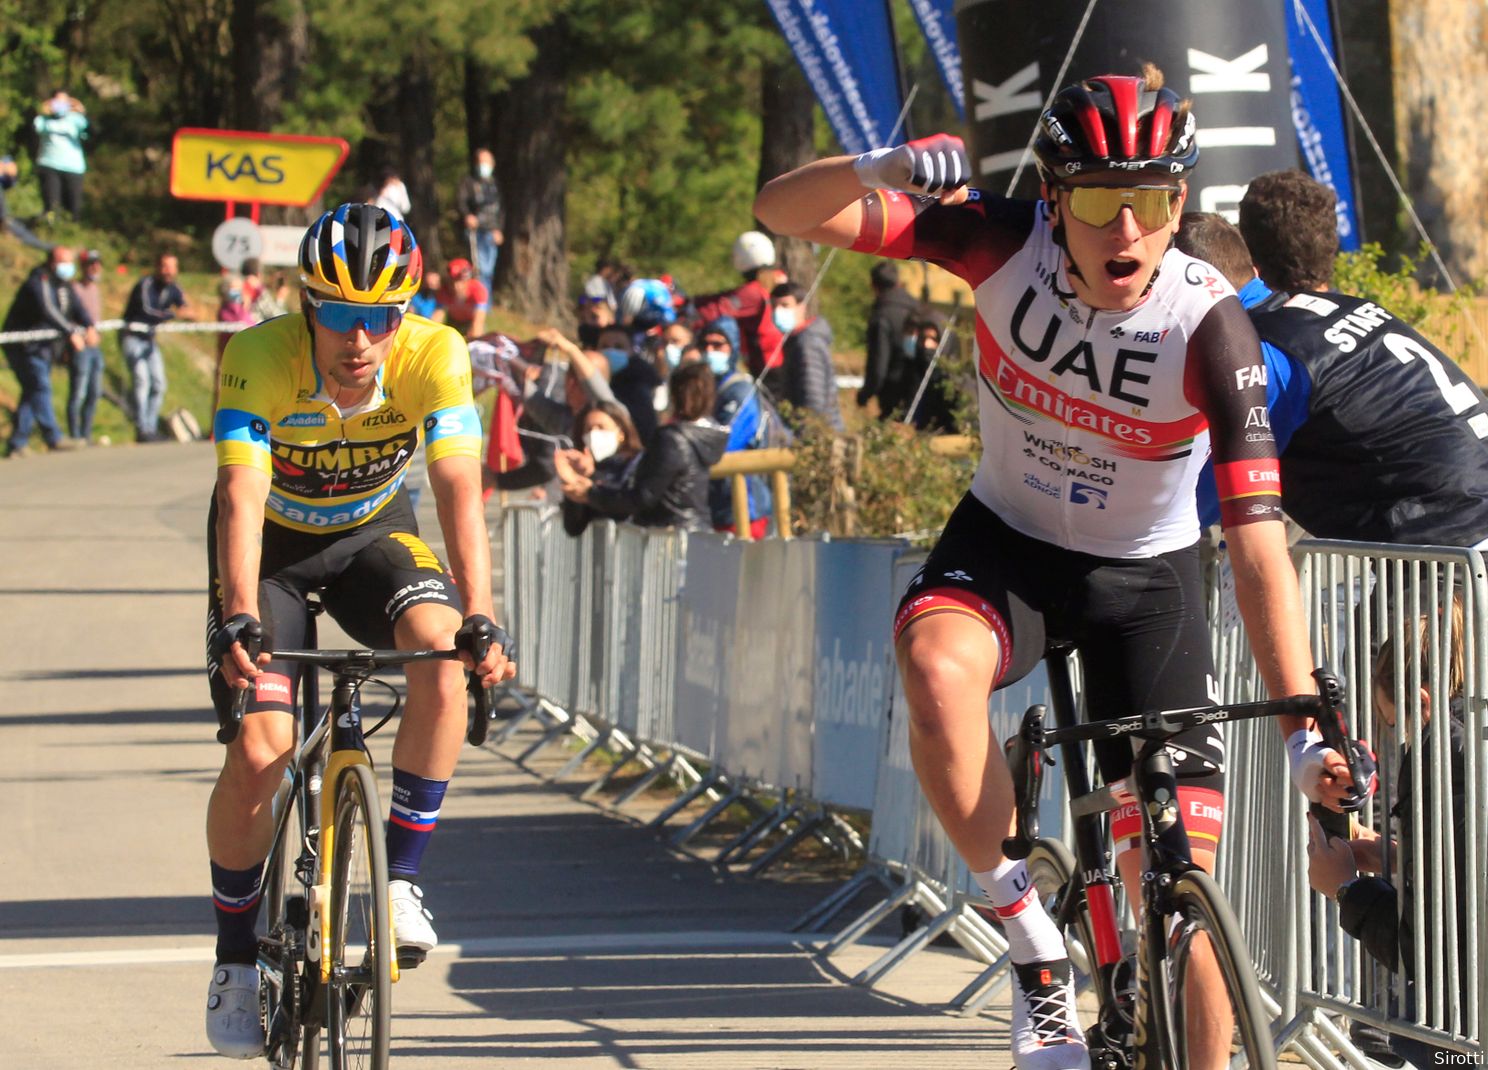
[[1441, 67], [1363, 32], [270, 42], [788, 140], [413, 115], [477, 107], [531, 169]]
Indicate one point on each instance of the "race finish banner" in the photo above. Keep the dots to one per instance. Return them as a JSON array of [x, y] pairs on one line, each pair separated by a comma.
[[938, 21], [846, 50], [1317, 111], [1230, 58]]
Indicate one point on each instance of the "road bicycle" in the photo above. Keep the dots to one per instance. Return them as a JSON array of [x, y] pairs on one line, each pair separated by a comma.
[[325, 954], [1185, 926]]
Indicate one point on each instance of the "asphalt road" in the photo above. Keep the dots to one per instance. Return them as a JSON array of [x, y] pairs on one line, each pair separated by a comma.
[[572, 936]]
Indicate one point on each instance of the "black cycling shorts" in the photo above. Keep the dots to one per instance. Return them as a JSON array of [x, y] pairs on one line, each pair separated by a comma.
[[366, 577], [1138, 623]]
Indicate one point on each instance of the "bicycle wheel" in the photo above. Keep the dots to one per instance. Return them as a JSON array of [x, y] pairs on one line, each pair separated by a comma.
[[282, 951], [358, 999], [1204, 945]]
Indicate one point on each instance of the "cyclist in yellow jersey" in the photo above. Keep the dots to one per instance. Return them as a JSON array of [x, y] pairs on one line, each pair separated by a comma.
[[319, 415]]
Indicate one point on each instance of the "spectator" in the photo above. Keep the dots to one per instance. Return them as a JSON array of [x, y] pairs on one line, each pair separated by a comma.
[[265, 300], [8, 172], [46, 300], [153, 301], [675, 338], [60, 164], [86, 367], [232, 308], [740, 409], [1375, 428], [392, 195], [890, 343], [607, 452], [749, 303], [480, 206], [806, 378], [602, 286], [647, 305], [464, 299], [638, 383], [1376, 911], [670, 488], [924, 358], [426, 302], [595, 314]]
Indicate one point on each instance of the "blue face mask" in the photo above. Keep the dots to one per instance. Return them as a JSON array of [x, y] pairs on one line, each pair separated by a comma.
[[718, 362], [66, 271], [618, 359], [785, 320], [674, 355], [911, 343], [61, 107]]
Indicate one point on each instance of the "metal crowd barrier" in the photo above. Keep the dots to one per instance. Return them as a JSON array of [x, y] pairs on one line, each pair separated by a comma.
[[770, 666], [1356, 596]]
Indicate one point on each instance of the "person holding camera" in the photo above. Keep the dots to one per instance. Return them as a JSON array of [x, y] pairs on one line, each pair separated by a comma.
[[60, 163]]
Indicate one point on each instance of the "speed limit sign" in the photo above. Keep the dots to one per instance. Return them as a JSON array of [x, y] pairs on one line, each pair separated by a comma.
[[236, 240]]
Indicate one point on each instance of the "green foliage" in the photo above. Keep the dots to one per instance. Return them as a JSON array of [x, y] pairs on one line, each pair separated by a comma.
[[1434, 315]]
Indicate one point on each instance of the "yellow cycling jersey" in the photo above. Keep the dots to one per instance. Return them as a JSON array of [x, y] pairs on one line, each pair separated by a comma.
[[329, 470]]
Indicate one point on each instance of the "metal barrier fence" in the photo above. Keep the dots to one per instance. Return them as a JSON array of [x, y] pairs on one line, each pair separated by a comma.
[[771, 664]]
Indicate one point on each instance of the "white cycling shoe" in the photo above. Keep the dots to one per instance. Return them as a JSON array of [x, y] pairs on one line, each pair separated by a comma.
[[413, 933], [234, 1021], [1046, 1035]]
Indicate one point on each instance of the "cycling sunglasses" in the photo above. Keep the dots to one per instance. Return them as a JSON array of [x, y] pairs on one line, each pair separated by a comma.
[[344, 317], [1153, 206]]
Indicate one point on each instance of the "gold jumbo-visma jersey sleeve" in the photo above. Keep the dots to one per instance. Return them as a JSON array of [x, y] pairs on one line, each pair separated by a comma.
[[330, 472]]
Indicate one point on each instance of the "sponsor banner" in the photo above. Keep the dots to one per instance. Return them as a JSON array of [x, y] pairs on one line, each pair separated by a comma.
[[240, 165], [938, 21], [854, 666], [1317, 112], [768, 731], [1231, 59], [846, 50], [708, 604]]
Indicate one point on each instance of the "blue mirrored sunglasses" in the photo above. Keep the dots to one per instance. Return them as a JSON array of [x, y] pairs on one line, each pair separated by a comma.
[[344, 317]]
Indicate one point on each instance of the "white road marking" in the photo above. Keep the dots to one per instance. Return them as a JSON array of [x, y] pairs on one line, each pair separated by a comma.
[[572, 944]]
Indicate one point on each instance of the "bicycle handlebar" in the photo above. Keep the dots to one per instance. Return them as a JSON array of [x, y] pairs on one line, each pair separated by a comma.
[[1025, 751], [347, 661]]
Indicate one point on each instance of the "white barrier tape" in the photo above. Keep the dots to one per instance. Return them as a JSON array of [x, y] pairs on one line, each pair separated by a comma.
[[169, 327]]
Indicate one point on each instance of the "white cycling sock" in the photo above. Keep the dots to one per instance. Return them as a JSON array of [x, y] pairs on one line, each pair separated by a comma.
[[1031, 934]]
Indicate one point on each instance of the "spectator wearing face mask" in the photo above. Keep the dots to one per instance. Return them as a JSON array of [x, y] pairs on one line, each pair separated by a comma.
[[922, 342], [464, 299], [884, 374], [392, 195], [670, 488], [607, 452], [636, 381], [749, 303], [744, 412], [806, 378], [479, 202], [46, 300], [60, 162]]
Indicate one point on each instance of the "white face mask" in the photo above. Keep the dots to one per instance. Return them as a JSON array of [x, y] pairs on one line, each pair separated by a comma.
[[785, 320], [674, 355], [602, 442], [485, 170]]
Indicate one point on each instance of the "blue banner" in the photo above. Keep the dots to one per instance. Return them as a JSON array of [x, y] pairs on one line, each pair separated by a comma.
[[938, 20], [1317, 112], [846, 49]]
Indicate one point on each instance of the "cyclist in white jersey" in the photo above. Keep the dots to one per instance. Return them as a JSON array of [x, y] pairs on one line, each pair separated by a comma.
[[1110, 367]]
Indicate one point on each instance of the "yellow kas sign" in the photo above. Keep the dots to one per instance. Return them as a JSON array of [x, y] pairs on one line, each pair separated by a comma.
[[235, 165]]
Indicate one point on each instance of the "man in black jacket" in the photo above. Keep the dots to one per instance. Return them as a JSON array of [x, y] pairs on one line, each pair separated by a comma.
[[890, 344], [46, 301], [481, 211], [806, 378]]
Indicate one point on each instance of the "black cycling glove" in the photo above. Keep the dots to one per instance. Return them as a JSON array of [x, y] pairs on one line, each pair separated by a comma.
[[477, 635], [239, 628]]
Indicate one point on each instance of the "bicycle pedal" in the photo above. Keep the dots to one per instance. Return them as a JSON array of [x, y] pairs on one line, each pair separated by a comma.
[[410, 958]]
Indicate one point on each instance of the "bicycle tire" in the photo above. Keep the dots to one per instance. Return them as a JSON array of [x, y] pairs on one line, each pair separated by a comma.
[[358, 998], [1201, 908], [285, 913]]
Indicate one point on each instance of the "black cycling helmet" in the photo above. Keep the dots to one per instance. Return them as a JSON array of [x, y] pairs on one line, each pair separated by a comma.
[[1115, 123], [363, 254]]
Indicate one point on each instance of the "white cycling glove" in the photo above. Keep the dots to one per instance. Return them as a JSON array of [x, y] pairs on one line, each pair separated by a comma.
[[1305, 750], [927, 166]]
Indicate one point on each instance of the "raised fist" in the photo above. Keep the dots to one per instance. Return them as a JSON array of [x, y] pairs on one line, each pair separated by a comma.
[[928, 166]]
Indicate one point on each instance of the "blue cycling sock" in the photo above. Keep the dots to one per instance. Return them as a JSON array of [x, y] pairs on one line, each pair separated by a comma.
[[236, 895], [411, 820]]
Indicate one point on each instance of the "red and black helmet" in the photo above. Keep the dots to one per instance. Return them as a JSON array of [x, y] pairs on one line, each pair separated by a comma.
[[1115, 123]]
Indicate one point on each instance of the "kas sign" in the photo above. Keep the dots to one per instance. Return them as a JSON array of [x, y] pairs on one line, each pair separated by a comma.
[[234, 165]]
